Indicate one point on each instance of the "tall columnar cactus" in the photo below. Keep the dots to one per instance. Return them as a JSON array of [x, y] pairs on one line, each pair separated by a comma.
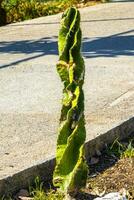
[[71, 170]]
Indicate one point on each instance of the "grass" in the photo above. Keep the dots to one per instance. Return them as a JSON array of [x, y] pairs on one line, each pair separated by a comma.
[[52, 195], [19, 10], [122, 149], [38, 192], [129, 151]]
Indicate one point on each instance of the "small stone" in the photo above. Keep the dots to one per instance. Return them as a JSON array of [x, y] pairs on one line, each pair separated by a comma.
[[97, 192], [98, 153], [25, 198], [94, 160], [68, 197], [123, 192], [11, 166], [112, 196], [93, 175], [6, 153], [22, 195]]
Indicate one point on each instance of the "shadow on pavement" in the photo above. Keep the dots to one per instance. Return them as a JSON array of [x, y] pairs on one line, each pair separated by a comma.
[[46, 45], [42, 47], [111, 46]]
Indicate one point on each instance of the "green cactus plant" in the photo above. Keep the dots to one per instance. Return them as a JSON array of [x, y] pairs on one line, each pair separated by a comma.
[[71, 169]]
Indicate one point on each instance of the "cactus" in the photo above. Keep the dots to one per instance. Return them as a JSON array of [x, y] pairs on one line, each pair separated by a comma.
[[71, 169]]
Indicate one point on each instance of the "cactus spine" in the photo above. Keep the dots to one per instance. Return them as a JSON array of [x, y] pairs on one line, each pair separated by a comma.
[[71, 170]]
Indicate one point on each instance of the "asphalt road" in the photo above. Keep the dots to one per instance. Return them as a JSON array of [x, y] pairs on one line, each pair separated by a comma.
[[30, 89]]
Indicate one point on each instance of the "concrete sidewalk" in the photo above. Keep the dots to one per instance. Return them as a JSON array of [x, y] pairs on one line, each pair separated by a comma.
[[30, 89]]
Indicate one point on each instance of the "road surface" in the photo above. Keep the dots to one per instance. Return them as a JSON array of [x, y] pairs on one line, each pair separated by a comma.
[[30, 89]]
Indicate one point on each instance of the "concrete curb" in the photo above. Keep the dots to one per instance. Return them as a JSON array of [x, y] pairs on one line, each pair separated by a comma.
[[44, 169]]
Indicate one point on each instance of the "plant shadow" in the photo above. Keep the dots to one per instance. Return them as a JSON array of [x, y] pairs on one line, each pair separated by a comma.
[[121, 44], [85, 196], [31, 49]]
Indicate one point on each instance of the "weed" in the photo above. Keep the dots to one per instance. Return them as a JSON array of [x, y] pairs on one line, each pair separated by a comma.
[[121, 150], [38, 192], [6, 198], [52, 195], [129, 152]]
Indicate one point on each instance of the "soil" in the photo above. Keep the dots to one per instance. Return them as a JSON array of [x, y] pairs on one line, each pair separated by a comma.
[[109, 173], [116, 178], [119, 176]]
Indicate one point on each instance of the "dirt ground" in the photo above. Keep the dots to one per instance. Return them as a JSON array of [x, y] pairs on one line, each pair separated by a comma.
[[112, 171], [118, 177]]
